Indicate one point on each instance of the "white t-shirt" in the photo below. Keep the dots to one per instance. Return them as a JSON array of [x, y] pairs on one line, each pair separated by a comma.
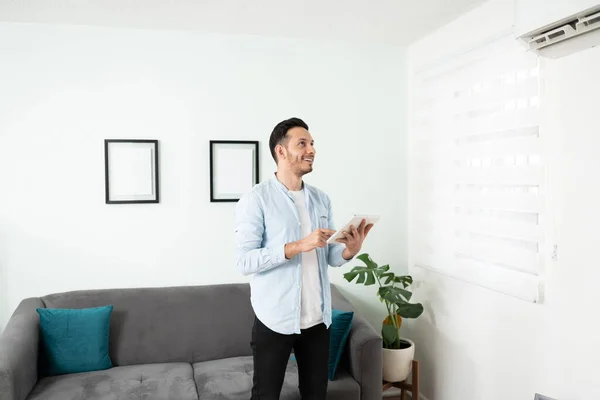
[[312, 301]]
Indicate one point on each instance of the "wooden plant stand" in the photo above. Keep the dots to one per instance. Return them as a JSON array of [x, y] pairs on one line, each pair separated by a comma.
[[404, 386]]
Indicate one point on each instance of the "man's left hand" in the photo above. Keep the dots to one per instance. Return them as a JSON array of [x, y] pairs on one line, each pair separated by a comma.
[[353, 239]]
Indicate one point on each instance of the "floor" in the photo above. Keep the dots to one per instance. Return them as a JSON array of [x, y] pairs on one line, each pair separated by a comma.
[[394, 394]]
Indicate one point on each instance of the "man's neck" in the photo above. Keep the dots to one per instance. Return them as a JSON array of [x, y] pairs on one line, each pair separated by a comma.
[[289, 180]]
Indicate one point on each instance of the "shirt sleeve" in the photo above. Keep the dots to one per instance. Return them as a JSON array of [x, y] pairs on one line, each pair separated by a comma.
[[251, 258], [335, 250]]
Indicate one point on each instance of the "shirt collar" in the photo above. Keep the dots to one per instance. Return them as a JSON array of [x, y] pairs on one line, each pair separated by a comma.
[[281, 186]]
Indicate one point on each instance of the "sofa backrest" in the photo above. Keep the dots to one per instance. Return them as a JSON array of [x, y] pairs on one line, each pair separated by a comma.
[[339, 301], [172, 324]]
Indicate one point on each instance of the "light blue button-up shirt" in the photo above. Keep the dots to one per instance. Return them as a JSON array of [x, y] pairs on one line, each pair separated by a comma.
[[266, 219]]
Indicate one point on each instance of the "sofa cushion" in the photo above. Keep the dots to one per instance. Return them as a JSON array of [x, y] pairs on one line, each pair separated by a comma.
[[341, 322], [148, 382], [75, 340], [231, 379]]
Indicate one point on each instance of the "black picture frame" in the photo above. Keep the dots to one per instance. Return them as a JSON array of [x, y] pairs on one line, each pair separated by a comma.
[[137, 149], [217, 157]]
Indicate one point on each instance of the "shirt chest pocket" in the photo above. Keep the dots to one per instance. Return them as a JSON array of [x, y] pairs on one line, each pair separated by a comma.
[[322, 216]]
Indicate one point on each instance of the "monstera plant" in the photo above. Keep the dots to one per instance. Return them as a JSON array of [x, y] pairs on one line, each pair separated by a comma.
[[392, 291]]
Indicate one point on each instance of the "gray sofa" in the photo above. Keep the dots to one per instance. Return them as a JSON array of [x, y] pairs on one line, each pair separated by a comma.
[[173, 343]]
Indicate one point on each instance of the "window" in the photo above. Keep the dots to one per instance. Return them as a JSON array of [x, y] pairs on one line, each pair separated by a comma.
[[477, 169]]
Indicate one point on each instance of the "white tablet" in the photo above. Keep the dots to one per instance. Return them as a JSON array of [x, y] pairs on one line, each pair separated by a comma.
[[355, 220]]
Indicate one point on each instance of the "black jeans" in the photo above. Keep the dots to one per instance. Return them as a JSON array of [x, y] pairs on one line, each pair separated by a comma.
[[271, 352]]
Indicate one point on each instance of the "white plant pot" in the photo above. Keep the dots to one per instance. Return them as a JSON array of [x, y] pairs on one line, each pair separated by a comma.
[[397, 363]]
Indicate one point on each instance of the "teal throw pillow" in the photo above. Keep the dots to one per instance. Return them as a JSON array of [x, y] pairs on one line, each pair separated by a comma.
[[75, 340], [341, 322]]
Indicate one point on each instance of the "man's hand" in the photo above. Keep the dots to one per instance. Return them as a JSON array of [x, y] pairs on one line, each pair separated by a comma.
[[353, 239], [317, 238]]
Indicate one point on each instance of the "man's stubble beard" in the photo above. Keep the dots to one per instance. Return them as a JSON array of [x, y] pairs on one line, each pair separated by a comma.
[[296, 167]]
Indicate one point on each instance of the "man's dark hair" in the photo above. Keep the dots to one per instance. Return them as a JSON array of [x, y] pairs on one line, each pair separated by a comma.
[[280, 131]]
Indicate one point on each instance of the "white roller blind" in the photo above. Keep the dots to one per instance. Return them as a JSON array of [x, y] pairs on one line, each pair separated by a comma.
[[477, 169]]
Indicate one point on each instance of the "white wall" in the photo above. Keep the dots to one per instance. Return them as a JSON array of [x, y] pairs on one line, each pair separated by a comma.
[[477, 344], [64, 89], [570, 113]]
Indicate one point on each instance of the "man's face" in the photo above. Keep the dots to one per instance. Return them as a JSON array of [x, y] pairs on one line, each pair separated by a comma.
[[298, 154]]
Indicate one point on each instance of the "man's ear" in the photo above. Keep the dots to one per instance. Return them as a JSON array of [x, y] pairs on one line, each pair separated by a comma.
[[280, 151]]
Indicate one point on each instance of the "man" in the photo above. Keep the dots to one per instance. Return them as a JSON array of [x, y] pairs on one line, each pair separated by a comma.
[[282, 226]]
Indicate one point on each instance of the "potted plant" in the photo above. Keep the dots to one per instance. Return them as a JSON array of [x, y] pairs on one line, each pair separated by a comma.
[[398, 352]]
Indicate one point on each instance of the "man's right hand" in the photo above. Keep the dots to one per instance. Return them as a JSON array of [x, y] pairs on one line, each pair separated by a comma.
[[317, 238]]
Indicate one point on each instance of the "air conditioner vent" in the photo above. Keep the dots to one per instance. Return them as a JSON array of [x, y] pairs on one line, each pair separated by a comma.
[[595, 20], [551, 37], [590, 20], [556, 34], [568, 29]]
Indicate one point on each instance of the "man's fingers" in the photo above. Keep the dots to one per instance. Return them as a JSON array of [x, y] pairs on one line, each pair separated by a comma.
[[327, 231], [361, 227], [368, 228]]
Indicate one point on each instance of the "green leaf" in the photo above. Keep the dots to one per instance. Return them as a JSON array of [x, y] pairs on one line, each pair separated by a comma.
[[407, 295], [366, 275], [370, 279], [389, 276], [361, 278], [386, 293], [394, 294], [349, 276], [406, 280], [360, 269], [407, 310], [389, 334], [367, 260], [382, 271], [383, 290]]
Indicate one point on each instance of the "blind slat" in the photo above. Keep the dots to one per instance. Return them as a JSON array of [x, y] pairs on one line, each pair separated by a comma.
[[513, 230], [525, 261], [497, 147], [504, 176], [523, 203]]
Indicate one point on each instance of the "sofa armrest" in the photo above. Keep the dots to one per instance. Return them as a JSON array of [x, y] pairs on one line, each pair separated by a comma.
[[19, 351], [365, 358]]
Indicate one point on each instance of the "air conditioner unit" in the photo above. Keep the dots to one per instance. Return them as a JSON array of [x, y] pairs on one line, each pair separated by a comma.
[[556, 28]]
